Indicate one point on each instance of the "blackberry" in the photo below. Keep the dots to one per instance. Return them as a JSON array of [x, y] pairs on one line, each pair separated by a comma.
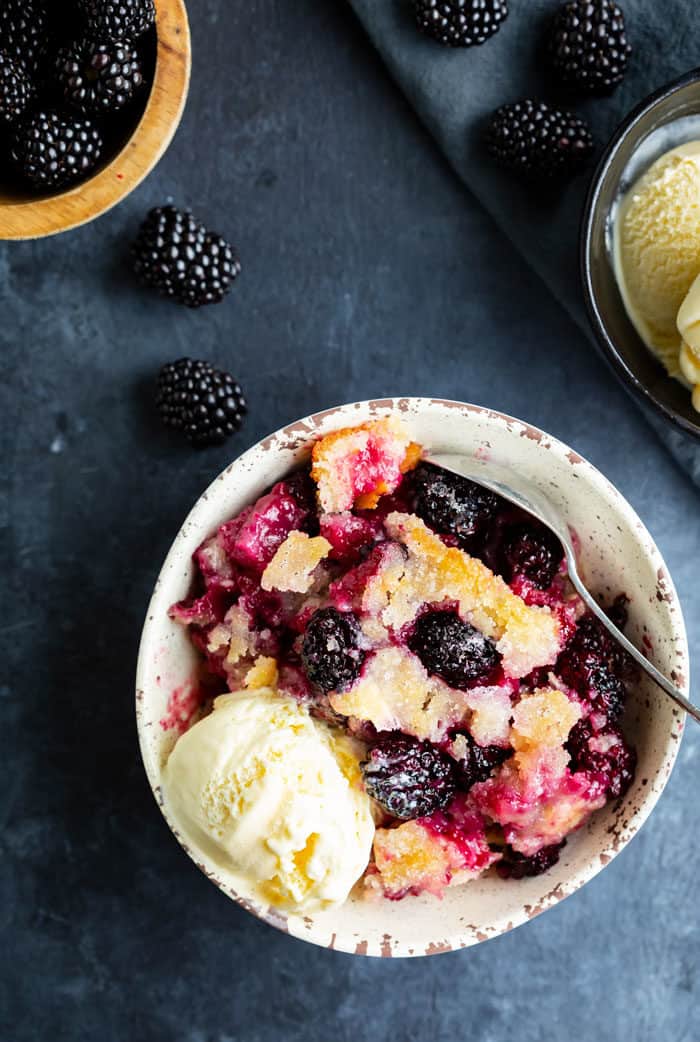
[[589, 648], [407, 777], [607, 693], [23, 31], [52, 150], [476, 763], [538, 142], [330, 651], [518, 866], [593, 664], [587, 45], [97, 76], [15, 89], [606, 756], [302, 489], [452, 649], [460, 23], [206, 404], [175, 254], [618, 613], [532, 551], [118, 19], [450, 504]]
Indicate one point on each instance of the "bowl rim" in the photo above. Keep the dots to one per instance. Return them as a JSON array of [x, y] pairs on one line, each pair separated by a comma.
[[604, 341], [303, 430], [37, 218]]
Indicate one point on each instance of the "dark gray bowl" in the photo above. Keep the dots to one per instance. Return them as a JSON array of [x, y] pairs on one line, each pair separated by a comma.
[[666, 119]]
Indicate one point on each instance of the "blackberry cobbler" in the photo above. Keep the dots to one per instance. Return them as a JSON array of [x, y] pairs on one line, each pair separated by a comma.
[[430, 626]]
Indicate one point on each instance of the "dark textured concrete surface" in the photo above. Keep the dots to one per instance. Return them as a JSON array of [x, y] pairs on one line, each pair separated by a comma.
[[367, 271]]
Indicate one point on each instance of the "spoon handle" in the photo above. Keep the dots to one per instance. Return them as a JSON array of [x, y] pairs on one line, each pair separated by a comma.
[[641, 660]]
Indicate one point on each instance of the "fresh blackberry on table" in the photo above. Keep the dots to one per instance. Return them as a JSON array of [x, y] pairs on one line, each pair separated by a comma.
[[175, 254], [15, 89], [453, 650], [587, 45], [99, 77], [518, 866], [24, 31], [206, 404], [408, 778], [330, 651], [530, 550], [460, 23], [538, 142], [118, 19], [52, 151], [476, 763], [451, 505], [604, 755]]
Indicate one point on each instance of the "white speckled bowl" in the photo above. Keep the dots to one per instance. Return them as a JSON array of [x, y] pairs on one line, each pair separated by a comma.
[[617, 555]]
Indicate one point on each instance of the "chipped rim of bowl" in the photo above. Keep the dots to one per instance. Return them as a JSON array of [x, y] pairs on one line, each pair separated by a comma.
[[303, 431]]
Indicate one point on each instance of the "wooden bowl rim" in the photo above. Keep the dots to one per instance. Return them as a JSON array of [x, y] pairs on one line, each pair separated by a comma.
[[33, 218]]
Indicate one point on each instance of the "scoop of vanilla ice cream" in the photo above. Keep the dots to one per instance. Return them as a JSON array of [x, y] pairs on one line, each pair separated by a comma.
[[274, 796], [657, 248]]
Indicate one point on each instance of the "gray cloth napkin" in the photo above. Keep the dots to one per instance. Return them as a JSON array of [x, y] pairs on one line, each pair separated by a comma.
[[455, 90]]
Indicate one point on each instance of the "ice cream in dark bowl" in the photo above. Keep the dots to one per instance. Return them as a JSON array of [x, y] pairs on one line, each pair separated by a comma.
[[640, 252]]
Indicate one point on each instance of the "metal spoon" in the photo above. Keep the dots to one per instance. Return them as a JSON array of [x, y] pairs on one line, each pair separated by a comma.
[[522, 493]]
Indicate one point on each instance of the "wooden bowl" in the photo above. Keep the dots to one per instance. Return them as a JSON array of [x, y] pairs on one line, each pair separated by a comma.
[[30, 217]]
